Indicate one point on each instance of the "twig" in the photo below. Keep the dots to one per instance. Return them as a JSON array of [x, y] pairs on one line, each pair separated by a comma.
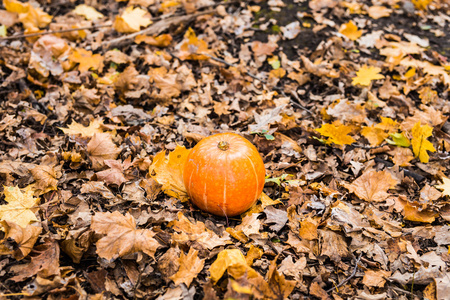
[[349, 277], [155, 28], [401, 290], [281, 90], [20, 36]]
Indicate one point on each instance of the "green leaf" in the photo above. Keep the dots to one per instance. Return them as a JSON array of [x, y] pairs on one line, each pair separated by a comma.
[[398, 139], [269, 137]]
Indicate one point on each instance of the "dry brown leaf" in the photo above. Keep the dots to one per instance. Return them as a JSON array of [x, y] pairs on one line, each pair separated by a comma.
[[372, 186], [45, 177], [113, 175], [24, 239], [190, 266], [375, 278], [308, 229], [121, 236], [101, 147]]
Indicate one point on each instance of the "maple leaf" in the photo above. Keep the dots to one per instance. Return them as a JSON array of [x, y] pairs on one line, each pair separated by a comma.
[[168, 171], [45, 263], [445, 186], [87, 60], [421, 4], [366, 74], [193, 48], [75, 128], [190, 266], [31, 17], [45, 177], [21, 206], [378, 133], [132, 19], [101, 147], [350, 30], [161, 41], [121, 236], [88, 12], [420, 143], [187, 231], [24, 238], [233, 261], [113, 175], [372, 186], [336, 134]]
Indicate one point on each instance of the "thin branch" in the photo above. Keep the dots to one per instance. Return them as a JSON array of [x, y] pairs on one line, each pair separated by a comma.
[[21, 36], [349, 277]]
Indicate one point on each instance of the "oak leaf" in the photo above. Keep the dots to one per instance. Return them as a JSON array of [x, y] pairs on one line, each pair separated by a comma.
[[336, 134], [420, 143], [24, 239], [168, 171], [233, 261], [190, 266], [101, 147], [350, 30], [132, 19], [366, 74], [21, 206], [88, 12], [87, 60], [121, 236], [75, 128], [372, 186]]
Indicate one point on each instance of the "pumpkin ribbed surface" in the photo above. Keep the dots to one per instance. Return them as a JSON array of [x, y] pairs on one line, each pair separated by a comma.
[[224, 174]]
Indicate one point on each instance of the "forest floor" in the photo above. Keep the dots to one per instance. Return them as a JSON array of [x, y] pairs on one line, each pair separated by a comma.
[[346, 101]]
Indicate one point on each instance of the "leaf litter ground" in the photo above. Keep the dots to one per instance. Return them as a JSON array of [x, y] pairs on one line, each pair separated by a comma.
[[347, 102]]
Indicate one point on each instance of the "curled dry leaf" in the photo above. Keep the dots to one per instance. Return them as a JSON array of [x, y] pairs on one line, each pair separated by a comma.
[[121, 236], [233, 261], [24, 238], [45, 177]]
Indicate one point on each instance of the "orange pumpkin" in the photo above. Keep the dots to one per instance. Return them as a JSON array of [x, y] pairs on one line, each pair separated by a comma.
[[224, 174]]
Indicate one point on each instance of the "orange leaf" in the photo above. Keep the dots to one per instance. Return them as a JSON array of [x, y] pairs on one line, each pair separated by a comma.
[[87, 60], [372, 185], [350, 30], [365, 75]]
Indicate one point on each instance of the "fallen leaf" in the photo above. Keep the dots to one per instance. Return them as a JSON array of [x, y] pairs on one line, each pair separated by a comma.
[[336, 134], [420, 143], [333, 245], [308, 229], [193, 47], [88, 12], [24, 239], [350, 30], [168, 171], [101, 147], [372, 186], [87, 60], [233, 261], [45, 177], [366, 74], [113, 175], [21, 206], [375, 278], [75, 128], [121, 236], [275, 216], [377, 12], [445, 186], [161, 41], [131, 20], [190, 266]]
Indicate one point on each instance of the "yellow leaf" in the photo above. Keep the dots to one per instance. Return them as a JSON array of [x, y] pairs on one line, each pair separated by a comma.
[[16, 6], [336, 134], [88, 12], [233, 261], [132, 20], [267, 201], [350, 30], [21, 206], [421, 4], [193, 47], [420, 143], [34, 18], [378, 133], [87, 60], [445, 186], [168, 171], [190, 266], [76, 128], [365, 75]]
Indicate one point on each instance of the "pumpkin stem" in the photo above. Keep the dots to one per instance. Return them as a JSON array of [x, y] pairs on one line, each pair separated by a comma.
[[223, 145]]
